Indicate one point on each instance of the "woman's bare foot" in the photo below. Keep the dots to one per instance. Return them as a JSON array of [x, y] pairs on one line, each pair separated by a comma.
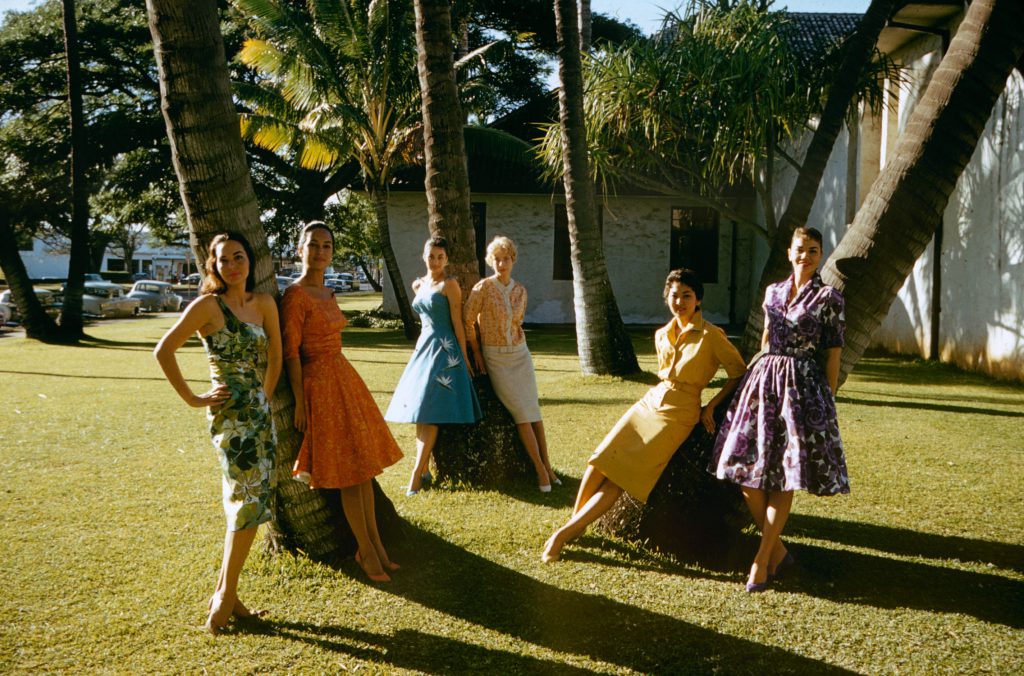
[[552, 549], [243, 613]]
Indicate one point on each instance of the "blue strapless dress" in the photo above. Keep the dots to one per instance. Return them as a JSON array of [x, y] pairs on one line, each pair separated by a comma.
[[435, 386]]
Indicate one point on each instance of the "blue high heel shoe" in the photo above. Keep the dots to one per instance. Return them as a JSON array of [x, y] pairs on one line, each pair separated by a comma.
[[756, 587]]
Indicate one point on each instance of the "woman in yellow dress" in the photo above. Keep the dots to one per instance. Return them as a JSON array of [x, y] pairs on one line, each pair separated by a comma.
[[633, 455]]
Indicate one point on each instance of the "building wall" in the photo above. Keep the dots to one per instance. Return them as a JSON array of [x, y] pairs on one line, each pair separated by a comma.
[[981, 323], [636, 241]]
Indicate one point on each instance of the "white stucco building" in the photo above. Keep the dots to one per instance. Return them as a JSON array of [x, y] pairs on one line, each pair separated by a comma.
[[964, 306], [46, 259]]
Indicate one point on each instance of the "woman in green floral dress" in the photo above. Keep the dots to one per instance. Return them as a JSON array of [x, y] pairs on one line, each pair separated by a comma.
[[241, 334]]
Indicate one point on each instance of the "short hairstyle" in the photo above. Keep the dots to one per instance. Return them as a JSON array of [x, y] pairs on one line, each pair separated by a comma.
[[436, 241], [686, 277], [310, 227], [808, 233], [501, 242], [212, 281]]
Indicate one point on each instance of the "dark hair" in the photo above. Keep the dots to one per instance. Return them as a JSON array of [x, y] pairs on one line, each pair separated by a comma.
[[686, 277], [213, 282], [436, 241], [809, 233], [310, 227]]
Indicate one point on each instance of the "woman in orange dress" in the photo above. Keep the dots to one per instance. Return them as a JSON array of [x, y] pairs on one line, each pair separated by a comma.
[[346, 442]]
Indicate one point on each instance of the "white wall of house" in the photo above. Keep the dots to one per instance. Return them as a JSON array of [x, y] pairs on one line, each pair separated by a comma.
[[981, 324], [46, 260], [636, 241]]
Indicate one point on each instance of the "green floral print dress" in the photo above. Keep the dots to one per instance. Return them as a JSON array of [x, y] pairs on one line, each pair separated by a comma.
[[242, 429]]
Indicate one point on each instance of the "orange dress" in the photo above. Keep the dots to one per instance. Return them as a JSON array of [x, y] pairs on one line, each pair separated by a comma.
[[347, 441]]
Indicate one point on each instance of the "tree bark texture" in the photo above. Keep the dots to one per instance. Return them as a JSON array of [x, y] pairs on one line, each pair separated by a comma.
[[38, 325], [601, 338], [898, 217], [857, 54], [487, 454], [71, 313], [209, 159], [380, 209], [447, 178]]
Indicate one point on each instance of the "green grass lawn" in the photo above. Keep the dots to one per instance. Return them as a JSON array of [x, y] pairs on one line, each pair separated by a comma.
[[112, 528]]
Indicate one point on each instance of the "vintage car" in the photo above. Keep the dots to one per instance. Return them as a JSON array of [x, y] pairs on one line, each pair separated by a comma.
[[47, 298], [5, 315], [157, 296], [106, 299]]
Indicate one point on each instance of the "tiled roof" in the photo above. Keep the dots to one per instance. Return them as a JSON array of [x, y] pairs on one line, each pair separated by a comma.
[[813, 33]]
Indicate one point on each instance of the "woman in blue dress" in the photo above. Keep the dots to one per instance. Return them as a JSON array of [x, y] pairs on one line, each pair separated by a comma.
[[780, 433], [435, 387]]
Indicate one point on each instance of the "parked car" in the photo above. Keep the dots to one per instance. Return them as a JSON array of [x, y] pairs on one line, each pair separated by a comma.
[[105, 299], [337, 283], [139, 276], [157, 296], [192, 279], [93, 277], [47, 298], [5, 314], [353, 283], [283, 283]]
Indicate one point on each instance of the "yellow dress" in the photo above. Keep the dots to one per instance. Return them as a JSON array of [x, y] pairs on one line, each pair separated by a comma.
[[634, 453]]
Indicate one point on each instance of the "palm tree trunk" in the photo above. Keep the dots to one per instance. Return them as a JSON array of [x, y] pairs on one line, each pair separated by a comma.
[[379, 198], [71, 312], [801, 198], [447, 179], [38, 325], [601, 338], [586, 24], [209, 158], [898, 217]]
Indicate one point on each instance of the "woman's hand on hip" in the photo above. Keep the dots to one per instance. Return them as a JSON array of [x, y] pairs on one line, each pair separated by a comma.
[[215, 396]]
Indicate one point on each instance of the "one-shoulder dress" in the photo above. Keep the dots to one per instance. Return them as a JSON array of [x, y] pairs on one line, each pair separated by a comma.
[[242, 428], [435, 387], [346, 442], [781, 431]]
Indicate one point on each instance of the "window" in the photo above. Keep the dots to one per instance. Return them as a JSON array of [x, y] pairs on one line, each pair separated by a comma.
[[694, 242], [563, 256], [478, 213], [115, 265]]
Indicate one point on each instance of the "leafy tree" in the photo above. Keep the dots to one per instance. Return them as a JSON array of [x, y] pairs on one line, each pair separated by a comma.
[[357, 239], [338, 86], [119, 95]]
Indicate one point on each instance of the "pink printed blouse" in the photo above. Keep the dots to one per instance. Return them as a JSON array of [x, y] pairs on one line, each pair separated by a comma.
[[500, 310]]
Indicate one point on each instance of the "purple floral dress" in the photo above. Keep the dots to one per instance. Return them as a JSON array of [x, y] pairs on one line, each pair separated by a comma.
[[781, 433]]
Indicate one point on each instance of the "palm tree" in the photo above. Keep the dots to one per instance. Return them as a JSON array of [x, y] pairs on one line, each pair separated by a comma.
[[447, 180], [217, 192], [602, 341], [898, 217], [339, 85]]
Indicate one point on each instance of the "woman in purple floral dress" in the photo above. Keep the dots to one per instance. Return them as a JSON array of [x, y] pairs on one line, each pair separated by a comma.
[[780, 433]]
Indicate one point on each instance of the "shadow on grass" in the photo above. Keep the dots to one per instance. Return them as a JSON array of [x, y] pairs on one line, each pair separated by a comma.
[[459, 583], [412, 650], [879, 367], [88, 377], [845, 576], [904, 542], [945, 408]]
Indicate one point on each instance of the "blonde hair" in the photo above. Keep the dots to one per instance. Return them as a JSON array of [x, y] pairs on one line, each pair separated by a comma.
[[500, 242]]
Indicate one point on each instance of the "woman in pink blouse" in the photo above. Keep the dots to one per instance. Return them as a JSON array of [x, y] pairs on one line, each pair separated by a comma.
[[497, 304]]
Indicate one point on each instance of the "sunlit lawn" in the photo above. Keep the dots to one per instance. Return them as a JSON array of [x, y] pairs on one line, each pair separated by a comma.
[[112, 527]]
